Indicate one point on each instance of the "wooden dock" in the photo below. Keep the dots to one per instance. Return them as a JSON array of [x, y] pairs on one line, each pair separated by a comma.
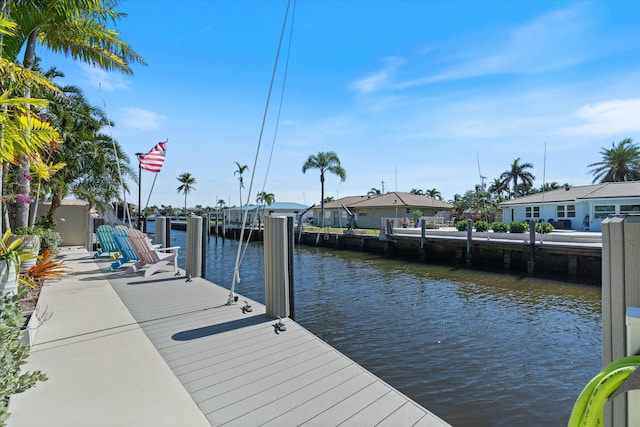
[[242, 371]]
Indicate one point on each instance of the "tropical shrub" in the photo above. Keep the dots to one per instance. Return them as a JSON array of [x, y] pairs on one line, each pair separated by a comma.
[[47, 267], [461, 225], [499, 227], [49, 239], [518, 227], [481, 226], [544, 228], [12, 354]]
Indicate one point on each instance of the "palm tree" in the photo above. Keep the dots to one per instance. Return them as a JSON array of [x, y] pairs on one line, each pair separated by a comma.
[[498, 190], [265, 199], [221, 203], [325, 162], [93, 161], [517, 173], [434, 194], [241, 169], [619, 163], [186, 185], [374, 192], [417, 192], [549, 186], [76, 28]]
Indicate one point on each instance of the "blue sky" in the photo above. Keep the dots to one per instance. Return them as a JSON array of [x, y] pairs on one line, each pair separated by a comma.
[[412, 93]]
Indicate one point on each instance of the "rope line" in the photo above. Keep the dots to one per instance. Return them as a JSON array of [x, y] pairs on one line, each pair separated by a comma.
[[236, 273]]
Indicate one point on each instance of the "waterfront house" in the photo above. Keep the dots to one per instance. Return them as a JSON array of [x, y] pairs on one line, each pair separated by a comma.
[[370, 209], [256, 212], [579, 208]]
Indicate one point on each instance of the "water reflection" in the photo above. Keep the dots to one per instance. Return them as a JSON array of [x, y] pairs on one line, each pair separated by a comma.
[[476, 348]]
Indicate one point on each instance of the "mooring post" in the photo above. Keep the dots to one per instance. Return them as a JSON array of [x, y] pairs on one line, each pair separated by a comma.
[[422, 252], [389, 231], [276, 267], [193, 262], [291, 235], [469, 240], [205, 245], [620, 293], [224, 226], [161, 234], [531, 264]]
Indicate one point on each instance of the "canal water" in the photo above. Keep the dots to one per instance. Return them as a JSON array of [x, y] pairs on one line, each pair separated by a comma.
[[476, 348]]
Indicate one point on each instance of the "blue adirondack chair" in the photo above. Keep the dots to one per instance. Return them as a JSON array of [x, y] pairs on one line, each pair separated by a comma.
[[121, 238], [104, 233]]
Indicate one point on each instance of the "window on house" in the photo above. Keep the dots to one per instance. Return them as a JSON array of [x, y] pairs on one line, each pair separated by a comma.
[[629, 209], [566, 211], [603, 211], [532, 211]]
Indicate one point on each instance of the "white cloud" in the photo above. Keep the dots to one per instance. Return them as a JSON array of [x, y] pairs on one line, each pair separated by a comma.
[[96, 77], [553, 41], [137, 118], [377, 80], [606, 118]]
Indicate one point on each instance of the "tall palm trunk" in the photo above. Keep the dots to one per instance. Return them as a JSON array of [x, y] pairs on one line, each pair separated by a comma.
[[23, 184], [322, 200]]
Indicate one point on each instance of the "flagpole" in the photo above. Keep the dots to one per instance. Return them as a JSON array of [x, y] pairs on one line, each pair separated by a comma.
[[139, 187]]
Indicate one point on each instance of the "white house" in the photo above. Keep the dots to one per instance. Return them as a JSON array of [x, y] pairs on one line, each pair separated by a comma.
[[576, 208]]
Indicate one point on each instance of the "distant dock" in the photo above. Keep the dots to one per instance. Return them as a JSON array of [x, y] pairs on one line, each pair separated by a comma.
[[573, 256]]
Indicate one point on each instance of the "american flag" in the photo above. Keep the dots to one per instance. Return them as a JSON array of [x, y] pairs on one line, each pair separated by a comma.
[[153, 160]]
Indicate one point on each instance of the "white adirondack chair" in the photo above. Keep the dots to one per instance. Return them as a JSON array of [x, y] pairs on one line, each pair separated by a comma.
[[148, 255]]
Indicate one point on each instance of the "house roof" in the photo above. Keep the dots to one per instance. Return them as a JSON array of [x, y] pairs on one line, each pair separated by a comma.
[[388, 200], [607, 190]]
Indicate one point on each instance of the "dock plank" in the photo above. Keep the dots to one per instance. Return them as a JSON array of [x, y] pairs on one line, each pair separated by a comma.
[[241, 371]]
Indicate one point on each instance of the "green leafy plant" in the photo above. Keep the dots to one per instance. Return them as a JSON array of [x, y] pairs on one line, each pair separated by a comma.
[[12, 252], [544, 228], [49, 239], [27, 231], [481, 226], [416, 214], [518, 227], [12, 354], [499, 227], [461, 225]]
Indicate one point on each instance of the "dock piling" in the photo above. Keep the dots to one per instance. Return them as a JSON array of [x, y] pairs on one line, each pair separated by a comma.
[[194, 262], [276, 266], [469, 241], [531, 264]]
